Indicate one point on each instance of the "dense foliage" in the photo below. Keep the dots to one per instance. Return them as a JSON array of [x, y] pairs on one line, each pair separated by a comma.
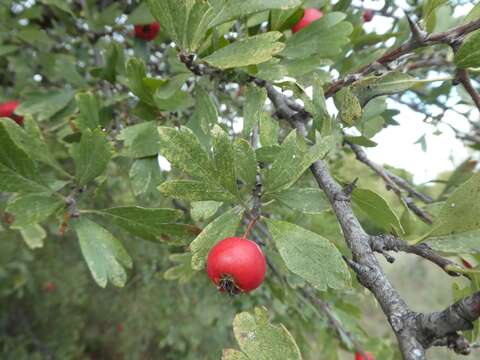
[[133, 151]]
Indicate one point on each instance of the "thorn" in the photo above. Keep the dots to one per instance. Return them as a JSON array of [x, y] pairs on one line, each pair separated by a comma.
[[418, 34], [388, 257], [348, 189]]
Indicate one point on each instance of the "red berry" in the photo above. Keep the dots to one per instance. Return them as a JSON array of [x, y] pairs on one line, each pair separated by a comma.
[[147, 32], [120, 328], [366, 356], [49, 286], [7, 109], [236, 265], [368, 15], [309, 16]]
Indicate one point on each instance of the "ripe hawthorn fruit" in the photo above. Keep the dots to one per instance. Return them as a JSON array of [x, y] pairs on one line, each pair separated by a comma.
[[367, 356], [148, 31], [7, 109], [49, 286], [309, 16], [236, 265], [368, 15]]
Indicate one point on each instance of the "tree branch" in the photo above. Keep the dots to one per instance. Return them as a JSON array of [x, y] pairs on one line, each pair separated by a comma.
[[457, 317], [386, 242], [416, 41], [391, 183], [463, 78]]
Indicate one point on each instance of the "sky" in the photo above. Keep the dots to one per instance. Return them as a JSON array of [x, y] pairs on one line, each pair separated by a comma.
[[396, 144]]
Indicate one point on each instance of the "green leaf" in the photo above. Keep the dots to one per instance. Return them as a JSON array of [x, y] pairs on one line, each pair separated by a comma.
[[205, 109], [310, 256], [114, 63], [193, 190], [145, 175], [306, 200], [91, 156], [30, 139], [140, 140], [372, 120], [173, 17], [179, 100], [182, 148], [183, 270], [12, 181], [473, 15], [33, 235], [89, 105], [13, 157], [377, 210], [261, 340], [255, 98], [233, 9], [36, 37], [32, 208], [45, 105], [267, 154], [136, 72], [468, 55], [360, 140], [199, 18], [461, 211], [323, 38], [294, 157], [250, 51], [223, 226], [104, 254], [268, 130], [59, 4], [350, 110], [458, 243], [429, 13], [204, 210], [391, 83], [462, 173], [277, 69], [140, 15], [148, 223], [224, 159], [232, 354], [245, 162]]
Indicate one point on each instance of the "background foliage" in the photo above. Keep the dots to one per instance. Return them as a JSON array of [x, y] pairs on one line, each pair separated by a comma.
[[102, 249]]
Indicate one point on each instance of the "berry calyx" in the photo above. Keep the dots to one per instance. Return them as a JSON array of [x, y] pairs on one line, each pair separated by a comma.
[[368, 15], [364, 356], [7, 109], [236, 265], [148, 31], [309, 16]]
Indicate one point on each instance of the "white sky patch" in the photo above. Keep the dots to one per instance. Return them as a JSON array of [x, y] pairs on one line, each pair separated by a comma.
[[163, 163], [396, 145]]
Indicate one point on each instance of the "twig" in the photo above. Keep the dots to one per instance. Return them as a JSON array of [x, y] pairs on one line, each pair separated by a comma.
[[386, 242], [416, 41], [463, 78], [391, 183]]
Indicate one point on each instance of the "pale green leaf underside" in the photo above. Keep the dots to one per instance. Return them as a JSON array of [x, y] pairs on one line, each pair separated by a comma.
[[220, 228], [310, 256], [261, 340], [104, 254], [250, 51]]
